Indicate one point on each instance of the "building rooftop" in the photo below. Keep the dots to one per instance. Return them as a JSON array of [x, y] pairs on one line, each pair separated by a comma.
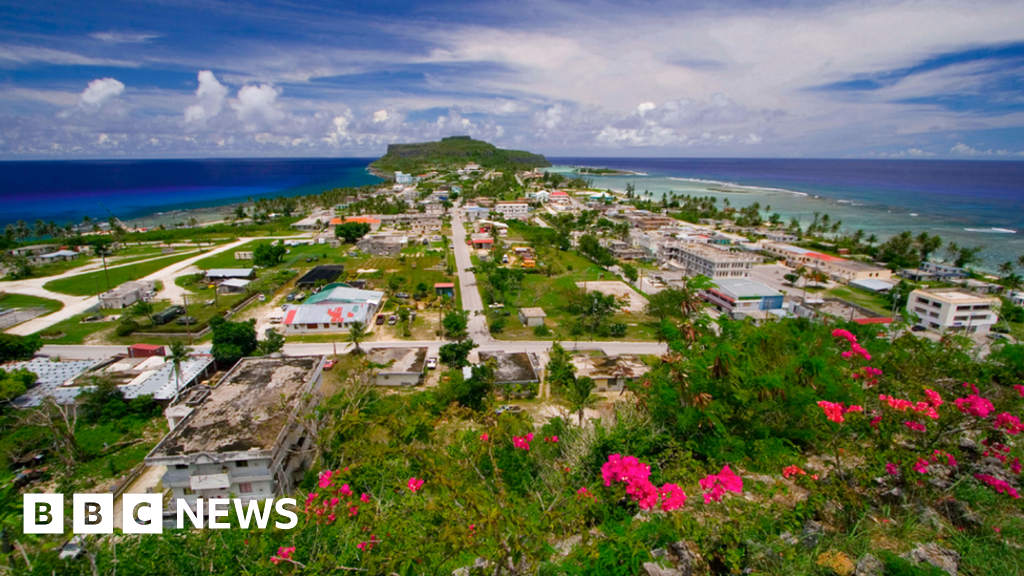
[[511, 367], [127, 288], [235, 283], [340, 293], [327, 273], [609, 367], [954, 295], [715, 254], [533, 312], [52, 377], [400, 360], [247, 410], [328, 312], [229, 273], [743, 289]]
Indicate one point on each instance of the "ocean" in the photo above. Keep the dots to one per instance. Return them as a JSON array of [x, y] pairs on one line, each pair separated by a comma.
[[972, 203], [144, 190]]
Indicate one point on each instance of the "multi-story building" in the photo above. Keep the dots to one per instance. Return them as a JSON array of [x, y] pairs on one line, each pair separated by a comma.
[[741, 297], [245, 437], [701, 259], [519, 210], [403, 178], [953, 309], [838, 269]]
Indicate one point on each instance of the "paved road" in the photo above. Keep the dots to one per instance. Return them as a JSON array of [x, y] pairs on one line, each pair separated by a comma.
[[471, 300]]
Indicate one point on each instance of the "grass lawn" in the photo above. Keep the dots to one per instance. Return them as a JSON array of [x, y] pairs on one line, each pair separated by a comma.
[[108, 463], [73, 330], [55, 268], [869, 300], [296, 255], [24, 301], [92, 283]]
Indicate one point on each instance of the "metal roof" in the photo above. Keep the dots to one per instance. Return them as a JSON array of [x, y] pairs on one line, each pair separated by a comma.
[[745, 289], [344, 294], [328, 313], [229, 273], [872, 284]]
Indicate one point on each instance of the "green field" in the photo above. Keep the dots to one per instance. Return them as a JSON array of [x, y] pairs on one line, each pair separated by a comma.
[[23, 301], [295, 255], [73, 330], [93, 283]]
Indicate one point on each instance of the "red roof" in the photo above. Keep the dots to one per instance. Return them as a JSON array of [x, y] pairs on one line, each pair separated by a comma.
[[483, 241], [149, 347], [873, 321], [825, 257], [290, 317], [445, 285], [559, 193]]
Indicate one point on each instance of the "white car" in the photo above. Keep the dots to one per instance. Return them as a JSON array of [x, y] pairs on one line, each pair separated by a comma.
[[431, 363]]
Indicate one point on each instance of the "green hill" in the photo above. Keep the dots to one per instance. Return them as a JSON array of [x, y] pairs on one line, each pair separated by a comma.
[[453, 152]]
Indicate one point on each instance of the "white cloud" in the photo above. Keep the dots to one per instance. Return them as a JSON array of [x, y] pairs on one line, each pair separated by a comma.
[[965, 150], [644, 108], [211, 95], [101, 91], [113, 37], [257, 107], [22, 55], [380, 116]]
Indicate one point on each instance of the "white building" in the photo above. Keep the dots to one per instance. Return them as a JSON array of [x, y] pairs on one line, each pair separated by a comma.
[[701, 259], [126, 294], [246, 437], [403, 178], [741, 297], [518, 210], [953, 309]]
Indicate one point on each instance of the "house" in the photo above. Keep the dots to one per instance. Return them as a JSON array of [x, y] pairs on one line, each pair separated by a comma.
[[243, 255], [232, 286], [416, 222], [559, 197], [374, 223], [246, 437], [837, 268], [481, 241], [519, 210], [609, 373], [218, 275], [474, 213], [403, 366], [740, 296], [314, 222], [58, 256], [701, 259], [647, 221], [954, 309], [334, 309], [542, 196], [624, 251], [126, 294], [532, 316], [513, 371], [33, 253], [933, 271], [382, 245], [1017, 298], [445, 289], [326, 273], [145, 350]]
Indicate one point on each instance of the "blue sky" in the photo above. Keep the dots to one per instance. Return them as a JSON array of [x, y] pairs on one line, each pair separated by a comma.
[[194, 78]]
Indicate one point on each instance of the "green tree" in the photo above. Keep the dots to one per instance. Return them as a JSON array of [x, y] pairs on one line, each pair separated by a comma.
[[455, 324], [143, 308], [350, 232], [590, 309], [267, 254], [102, 248], [273, 341], [356, 334], [455, 355], [14, 347], [15, 383], [559, 370], [579, 394], [232, 341], [630, 272], [792, 278]]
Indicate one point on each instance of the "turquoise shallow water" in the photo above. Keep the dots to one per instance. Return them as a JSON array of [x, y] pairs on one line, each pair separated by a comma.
[[971, 203]]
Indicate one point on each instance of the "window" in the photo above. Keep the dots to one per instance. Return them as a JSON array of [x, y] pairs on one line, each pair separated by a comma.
[[241, 463], [181, 466], [245, 487]]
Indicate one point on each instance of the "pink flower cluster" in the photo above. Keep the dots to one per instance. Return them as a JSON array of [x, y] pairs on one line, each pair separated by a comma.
[[921, 466], [1008, 423], [1019, 388], [892, 469], [855, 348], [523, 441], [583, 492], [925, 408], [950, 460], [792, 471], [834, 411], [551, 439], [974, 405], [715, 485], [484, 437], [635, 475], [367, 546], [868, 375], [283, 553], [331, 495], [915, 426], [414, 484], [1000, 486]]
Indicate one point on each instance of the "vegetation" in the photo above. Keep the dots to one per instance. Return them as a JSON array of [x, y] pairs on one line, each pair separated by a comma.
[[232, 341], [350, 232], [14, 347], [267, 254], [454, 152], [93, 283]]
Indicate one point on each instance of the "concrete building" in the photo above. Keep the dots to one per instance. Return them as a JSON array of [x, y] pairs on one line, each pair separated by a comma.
[[58, 256], [414, 222], [532, 316], [647, 221], [403, 178], [243, 255], [404, 366], [934, 271], [474, 213], [559, 197], [218, 275], [246, 437], [34, 252], [514, 372], [383, 245], [520, 210], [953, 309], [126, 294], [838, 269], [700, 259], [740, 297], [315, 221], [333, 310], [609, 373], [232, 286]]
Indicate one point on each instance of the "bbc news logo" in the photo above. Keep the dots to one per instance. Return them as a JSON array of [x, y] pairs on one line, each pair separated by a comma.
[[144, 513]]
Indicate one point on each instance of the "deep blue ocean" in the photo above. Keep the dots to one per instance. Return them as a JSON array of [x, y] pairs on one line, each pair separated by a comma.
[[969, 202]]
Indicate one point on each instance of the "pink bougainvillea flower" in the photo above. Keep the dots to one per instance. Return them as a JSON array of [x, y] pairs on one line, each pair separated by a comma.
[[672, 497], [814, 476], [283, 553], [792, 471], [933, 398], [921, 466], [523, 442], [833, 411], [325, 478], [974, 405], [334, 502], [484, 437], [346, 491], [365, 497], [310, 497], [1000, 486], [971, 386], [916, 426], [1008, 423], [1019, 388], [414, 484], [715, 485], [582, 492], [996, 528], [875, 421], [353, 511], [1015, 466], [892, 469]]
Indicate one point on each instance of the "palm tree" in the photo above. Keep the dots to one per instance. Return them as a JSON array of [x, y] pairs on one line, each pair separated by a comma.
[[356, 334], [1006, 268], [579, 394], [143, 308], [102, 250], [179, 353]]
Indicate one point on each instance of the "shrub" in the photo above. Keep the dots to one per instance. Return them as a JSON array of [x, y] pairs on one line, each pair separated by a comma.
[[541, 330], [126, 328], [618, 329]]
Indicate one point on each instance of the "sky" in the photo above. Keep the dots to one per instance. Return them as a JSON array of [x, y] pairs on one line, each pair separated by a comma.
[[731, 78]]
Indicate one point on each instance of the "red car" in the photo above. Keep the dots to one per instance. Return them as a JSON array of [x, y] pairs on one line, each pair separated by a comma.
[[329, 364]]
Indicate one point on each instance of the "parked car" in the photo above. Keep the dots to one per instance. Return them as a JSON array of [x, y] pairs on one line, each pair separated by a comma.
[[402, 295], [186, 320], [262, 298], [917, 328], [998, 336], [431, 363], [26, 477], [329, 364], [300, 296], [380, 319], [392, 320], [275, 319], [1001, 329], [290, 297]]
